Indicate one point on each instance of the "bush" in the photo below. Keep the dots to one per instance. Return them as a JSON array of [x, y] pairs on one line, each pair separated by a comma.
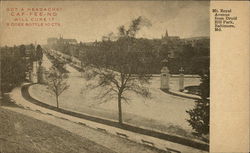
[[12, 73], [199, 116]]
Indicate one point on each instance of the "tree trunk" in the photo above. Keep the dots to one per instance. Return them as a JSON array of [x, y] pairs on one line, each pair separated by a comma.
[[57, 105], [120, 109]]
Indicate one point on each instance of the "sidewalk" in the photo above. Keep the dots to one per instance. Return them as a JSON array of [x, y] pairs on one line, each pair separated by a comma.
[[108, 140]]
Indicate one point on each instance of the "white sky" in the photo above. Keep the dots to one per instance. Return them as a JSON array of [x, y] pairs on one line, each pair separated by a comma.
[[89, 20]]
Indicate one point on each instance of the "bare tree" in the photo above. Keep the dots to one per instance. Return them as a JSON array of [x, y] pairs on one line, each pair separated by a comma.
[[119, 71], [57, 83]]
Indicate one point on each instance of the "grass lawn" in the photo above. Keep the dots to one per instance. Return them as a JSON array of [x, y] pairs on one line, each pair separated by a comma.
[[22, 134]]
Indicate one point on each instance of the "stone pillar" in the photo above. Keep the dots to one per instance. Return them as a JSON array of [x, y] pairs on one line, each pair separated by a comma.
[[165, 76], [181, 80]]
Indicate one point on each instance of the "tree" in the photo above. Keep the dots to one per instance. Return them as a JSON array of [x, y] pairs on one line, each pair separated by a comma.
[[39, 52], [22, 51], [57, 83], [118, 71], [12, 72], [199, 116]]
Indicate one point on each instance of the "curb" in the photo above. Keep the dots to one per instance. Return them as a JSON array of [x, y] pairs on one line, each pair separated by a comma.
[[179, 95]]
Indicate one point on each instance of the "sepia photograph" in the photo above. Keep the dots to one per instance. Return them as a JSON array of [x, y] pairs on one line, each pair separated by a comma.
[[105, 77]]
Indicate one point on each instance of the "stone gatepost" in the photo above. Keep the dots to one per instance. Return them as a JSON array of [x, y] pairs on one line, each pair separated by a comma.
[[181, 80], [165, 76]]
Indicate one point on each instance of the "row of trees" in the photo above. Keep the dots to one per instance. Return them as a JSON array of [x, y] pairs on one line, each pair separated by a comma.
[[192, 57], [16, 64], [12, 72]]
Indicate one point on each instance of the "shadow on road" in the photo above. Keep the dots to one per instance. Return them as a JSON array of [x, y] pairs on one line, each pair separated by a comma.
[[6, 101]]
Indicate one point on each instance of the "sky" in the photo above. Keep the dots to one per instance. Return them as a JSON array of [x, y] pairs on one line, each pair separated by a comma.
[[88, 21]]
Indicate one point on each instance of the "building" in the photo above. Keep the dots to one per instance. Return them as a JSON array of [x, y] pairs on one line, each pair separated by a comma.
[[198, 41], [54, 41], [51, 41], [168, 38], [61, 40]]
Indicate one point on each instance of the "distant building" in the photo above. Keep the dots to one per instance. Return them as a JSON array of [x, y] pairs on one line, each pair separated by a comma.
[[198, 41], [53, 41], [172, 43], [66, 41], [168, 39]]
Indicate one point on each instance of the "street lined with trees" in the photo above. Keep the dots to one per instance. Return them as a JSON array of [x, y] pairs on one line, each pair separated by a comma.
[[119, 65]]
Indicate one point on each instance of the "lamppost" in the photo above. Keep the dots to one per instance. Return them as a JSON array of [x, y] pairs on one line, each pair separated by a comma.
[[181, 80], [165, 76]]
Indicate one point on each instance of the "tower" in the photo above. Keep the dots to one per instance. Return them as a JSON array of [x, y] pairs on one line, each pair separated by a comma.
[[165, 38], [166, 34]]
